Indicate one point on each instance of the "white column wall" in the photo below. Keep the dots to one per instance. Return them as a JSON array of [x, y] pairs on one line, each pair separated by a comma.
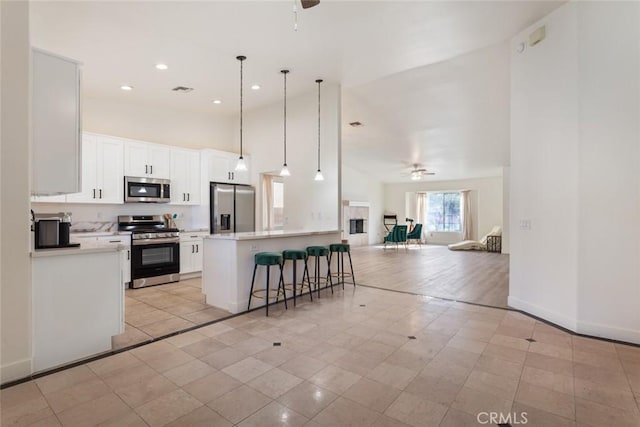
[[15, 268], [575, 152]]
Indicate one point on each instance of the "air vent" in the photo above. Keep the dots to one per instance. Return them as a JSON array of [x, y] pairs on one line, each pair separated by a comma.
[[355, 124], [183, 89]]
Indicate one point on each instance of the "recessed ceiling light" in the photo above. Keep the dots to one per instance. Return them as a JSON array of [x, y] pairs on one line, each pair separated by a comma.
[[126, 87], [217, 101], [162, 66], [255, 87]]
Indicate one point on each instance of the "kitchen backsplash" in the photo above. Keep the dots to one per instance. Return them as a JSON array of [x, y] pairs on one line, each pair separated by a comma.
[[85, 215]]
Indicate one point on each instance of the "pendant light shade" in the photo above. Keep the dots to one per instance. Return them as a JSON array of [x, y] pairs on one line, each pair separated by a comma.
[[285, 169], [319, 176], [241, 165]]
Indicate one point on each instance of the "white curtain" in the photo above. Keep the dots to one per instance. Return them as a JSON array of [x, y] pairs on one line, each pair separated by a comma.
[[421, 209], [267, 202], [467, 226]]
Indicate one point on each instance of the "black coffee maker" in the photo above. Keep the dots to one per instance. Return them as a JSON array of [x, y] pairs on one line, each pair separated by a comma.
[[52, 230]]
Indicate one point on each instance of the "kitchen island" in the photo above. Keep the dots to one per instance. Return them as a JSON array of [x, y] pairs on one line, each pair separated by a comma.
[[229, 261]]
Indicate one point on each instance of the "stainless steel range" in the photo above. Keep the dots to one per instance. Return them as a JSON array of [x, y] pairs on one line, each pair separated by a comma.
[[155, 250]]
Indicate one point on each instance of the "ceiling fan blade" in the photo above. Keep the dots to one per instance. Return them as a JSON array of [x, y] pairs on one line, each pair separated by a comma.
[[306, 4], [428, 173]]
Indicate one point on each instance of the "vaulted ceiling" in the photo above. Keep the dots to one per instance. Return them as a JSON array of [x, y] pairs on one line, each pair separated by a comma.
[[429, 80]]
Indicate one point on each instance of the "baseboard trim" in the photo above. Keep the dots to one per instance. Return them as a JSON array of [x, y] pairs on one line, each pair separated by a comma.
[[548, 315], [14, 371], [608, 332]]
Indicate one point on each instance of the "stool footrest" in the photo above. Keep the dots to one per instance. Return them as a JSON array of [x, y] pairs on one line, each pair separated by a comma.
[[261, 293]]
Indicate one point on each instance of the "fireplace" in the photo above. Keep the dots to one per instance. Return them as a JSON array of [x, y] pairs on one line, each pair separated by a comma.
[[357, 226]]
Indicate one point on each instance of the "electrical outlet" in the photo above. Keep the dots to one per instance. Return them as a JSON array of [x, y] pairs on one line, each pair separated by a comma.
[[525, 224], [99, 214], [254, 248]]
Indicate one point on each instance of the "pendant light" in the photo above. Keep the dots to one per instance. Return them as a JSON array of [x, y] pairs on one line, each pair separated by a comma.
[[285, 170], [241, 165], [319, 176]]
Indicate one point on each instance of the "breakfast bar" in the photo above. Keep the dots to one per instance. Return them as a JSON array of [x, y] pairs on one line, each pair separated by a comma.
[[229, 261]]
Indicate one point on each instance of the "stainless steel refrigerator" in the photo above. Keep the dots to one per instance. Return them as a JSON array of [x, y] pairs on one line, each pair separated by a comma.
[[232, 208]]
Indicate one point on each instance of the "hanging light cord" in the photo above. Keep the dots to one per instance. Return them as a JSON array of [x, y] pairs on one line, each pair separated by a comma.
[[318, 81], [285, 115], [241, 59]]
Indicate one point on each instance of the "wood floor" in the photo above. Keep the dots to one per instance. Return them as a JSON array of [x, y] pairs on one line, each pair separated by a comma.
[[432, 270]]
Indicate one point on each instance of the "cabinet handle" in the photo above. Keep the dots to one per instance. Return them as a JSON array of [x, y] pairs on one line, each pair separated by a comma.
[[94, 193], [193, 249], [233, 176], [151, 167], [101, 193], [114, 241], [128, 255], [183, 198], [146, 169], [188, 197], [198, 249]]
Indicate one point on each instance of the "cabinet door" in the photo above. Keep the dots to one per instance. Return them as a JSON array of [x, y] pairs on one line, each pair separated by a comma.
[[126, 266], [187, 251], [136, 162], [159, 161], [219, 167], [197, 256], [55, 119], [125, 254], [109, 170], [193, 178], [179, 176], [89, 193]]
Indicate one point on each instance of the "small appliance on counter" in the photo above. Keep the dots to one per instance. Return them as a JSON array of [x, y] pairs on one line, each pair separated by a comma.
[[52, 230]]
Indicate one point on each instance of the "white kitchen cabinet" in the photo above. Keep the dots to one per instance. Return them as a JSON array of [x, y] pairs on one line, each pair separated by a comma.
[[221, 166], [185, 177], [124, 240], [49, 199], [102, 171], [77, 304], [191, 248], [56, 124], [144, 159]]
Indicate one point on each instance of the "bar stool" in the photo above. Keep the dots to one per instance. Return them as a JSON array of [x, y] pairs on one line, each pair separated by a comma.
[[341, 249], [268, 259], [317, 252], [295, 255]]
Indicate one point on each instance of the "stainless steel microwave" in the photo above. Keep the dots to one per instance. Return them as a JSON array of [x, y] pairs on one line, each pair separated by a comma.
[[146, 190]]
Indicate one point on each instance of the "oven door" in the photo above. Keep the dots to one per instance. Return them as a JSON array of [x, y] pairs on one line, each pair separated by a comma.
[[154, 263]]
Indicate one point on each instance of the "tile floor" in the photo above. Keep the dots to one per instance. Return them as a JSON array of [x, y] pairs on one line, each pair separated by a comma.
[[157, 311], [347, 360]]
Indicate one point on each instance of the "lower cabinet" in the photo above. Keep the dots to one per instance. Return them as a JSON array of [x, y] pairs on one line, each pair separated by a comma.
[[191, 254], [124, 240]]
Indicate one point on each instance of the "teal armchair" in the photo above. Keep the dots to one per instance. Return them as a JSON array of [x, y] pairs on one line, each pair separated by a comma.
[[397, 235], [415, 234]]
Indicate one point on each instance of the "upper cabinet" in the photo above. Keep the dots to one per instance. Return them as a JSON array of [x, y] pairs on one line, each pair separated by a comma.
[[102, 171], [56, 121], [222, 165], [185, 177], [147, 160]]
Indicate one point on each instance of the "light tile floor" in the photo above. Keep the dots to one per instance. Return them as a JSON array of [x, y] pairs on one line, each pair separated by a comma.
[[347, 360], [160, 310]]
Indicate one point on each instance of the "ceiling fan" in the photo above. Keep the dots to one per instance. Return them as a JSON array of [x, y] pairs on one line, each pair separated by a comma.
[[417, 172], [306, 4]]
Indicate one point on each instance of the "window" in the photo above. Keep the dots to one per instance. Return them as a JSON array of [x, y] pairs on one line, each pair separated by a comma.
[[443, 212], [278, 206]]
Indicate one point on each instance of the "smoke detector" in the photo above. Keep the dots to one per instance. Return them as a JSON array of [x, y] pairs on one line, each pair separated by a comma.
[[182, 89]]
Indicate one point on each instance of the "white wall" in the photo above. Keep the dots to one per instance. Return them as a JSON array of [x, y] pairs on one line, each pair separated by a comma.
[[361, 187], [485, 198], [164, 126], [506, 202], [15, 267], [609, 169], [308, 204], [574, 170]]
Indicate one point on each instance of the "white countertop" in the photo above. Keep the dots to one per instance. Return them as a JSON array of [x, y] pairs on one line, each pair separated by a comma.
[[257, 235], [90, 247]]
